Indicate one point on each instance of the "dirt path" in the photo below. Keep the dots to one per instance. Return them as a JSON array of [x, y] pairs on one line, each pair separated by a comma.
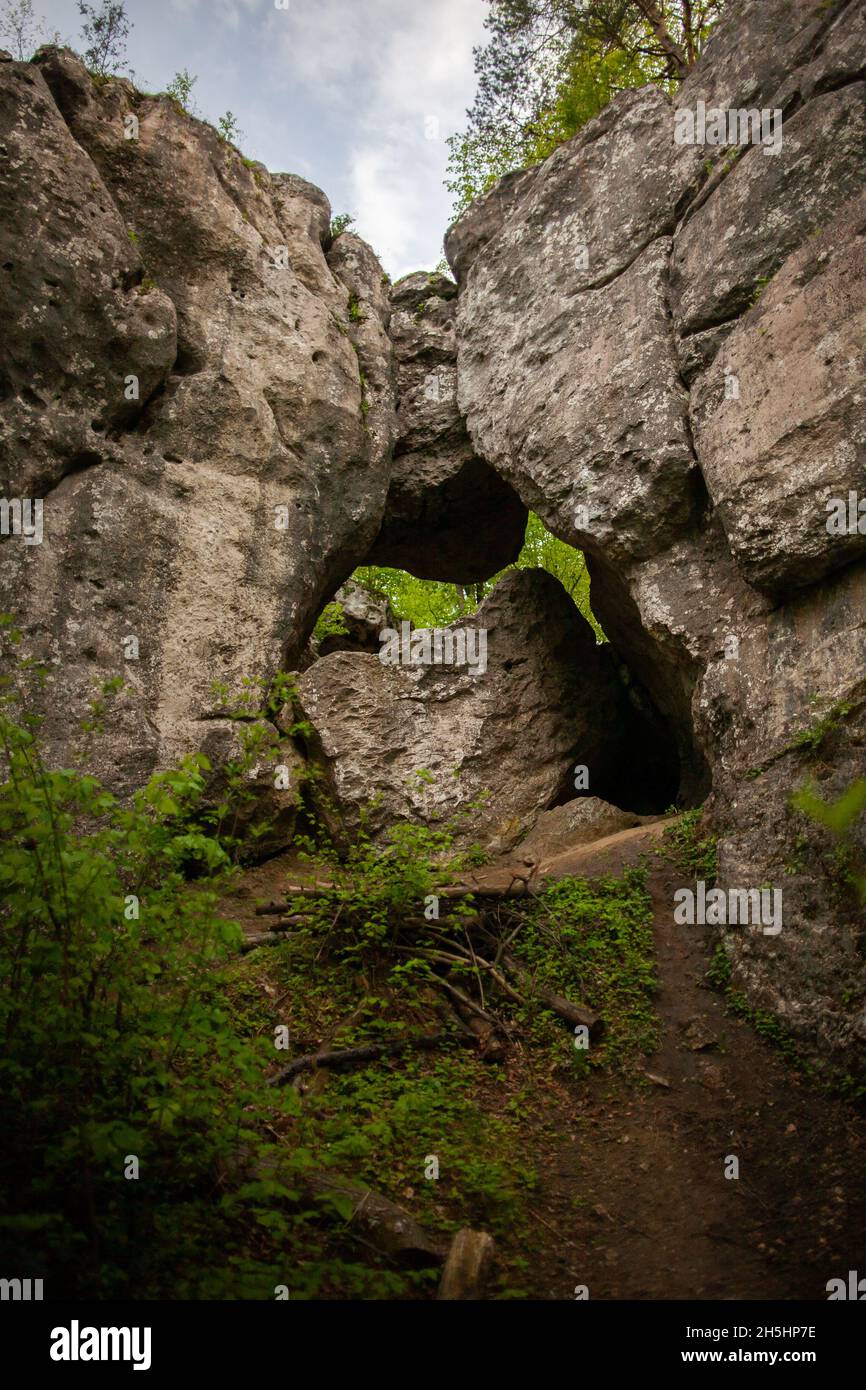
[[635, 1203], [633, 1199]]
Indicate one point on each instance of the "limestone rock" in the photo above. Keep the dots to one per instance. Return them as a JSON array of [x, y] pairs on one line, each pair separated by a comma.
[[449, 516], [575, 823], [794, 436], [363, 616], [213, 522], [765, 207], [567, 372], [432, 743]]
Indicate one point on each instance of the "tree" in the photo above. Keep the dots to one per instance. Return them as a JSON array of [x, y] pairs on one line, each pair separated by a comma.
[[431, 603], [21, 27], [105, 32], [549, 66], [341, 223]]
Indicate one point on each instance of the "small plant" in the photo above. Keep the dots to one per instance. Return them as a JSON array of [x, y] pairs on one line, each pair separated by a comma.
[[341, 224], [228, 128], [180, 90], [693, 853], [330, 622], [719, 973], [356, 314], [812, 737], [760, 285]]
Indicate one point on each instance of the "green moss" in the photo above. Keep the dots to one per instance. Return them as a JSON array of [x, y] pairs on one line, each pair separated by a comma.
[[330, 622]]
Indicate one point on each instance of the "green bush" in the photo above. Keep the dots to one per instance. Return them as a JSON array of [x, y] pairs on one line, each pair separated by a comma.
[[117, 1041]]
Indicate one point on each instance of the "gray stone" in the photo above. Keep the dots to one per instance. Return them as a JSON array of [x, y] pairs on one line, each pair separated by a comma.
[[440, 743], [213, 523]]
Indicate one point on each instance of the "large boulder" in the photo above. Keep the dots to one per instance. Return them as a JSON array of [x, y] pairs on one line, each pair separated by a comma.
[[487, 744], [567, 372]]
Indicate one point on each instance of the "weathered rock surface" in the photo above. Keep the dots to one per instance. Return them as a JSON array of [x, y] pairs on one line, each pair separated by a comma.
[[427, 742], [765, 207], [575, 823], [449, 515], [793, 436], [364, 618], [661, 348], [567, 372], [212, 518]]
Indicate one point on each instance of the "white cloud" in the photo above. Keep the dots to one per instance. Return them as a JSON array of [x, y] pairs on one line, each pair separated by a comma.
[[394, 72]]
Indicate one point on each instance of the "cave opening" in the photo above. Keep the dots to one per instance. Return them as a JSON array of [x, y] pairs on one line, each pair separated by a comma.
[[640, 769]]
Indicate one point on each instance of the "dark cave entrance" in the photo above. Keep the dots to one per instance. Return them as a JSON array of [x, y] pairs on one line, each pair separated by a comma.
[[649, 761]]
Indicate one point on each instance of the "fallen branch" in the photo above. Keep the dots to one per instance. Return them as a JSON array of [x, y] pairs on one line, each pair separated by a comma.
[[279, 909], [269, 938], [366, 1052], [466, 1001], [575, 1015], [387, 1227], [286, 923], [517, 888]]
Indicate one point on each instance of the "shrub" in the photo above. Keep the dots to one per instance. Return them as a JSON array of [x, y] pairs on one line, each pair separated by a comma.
[[117, 1041]]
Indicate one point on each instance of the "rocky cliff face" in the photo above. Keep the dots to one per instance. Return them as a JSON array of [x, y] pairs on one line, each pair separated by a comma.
[[662, 348], [658, 347], [201, 391]]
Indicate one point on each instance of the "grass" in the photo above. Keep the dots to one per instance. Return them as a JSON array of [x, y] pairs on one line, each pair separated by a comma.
[[693, 853], [591, 940]]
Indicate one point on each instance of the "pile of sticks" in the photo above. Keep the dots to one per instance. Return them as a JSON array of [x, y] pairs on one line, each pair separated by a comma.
[[470, 964]]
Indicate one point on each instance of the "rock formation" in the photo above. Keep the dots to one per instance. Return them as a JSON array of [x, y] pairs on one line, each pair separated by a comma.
[[485, 742], [656, 346], [662, 348], [209, 507]]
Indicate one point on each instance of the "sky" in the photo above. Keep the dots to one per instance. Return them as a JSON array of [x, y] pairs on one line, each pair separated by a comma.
[[358, 96]]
